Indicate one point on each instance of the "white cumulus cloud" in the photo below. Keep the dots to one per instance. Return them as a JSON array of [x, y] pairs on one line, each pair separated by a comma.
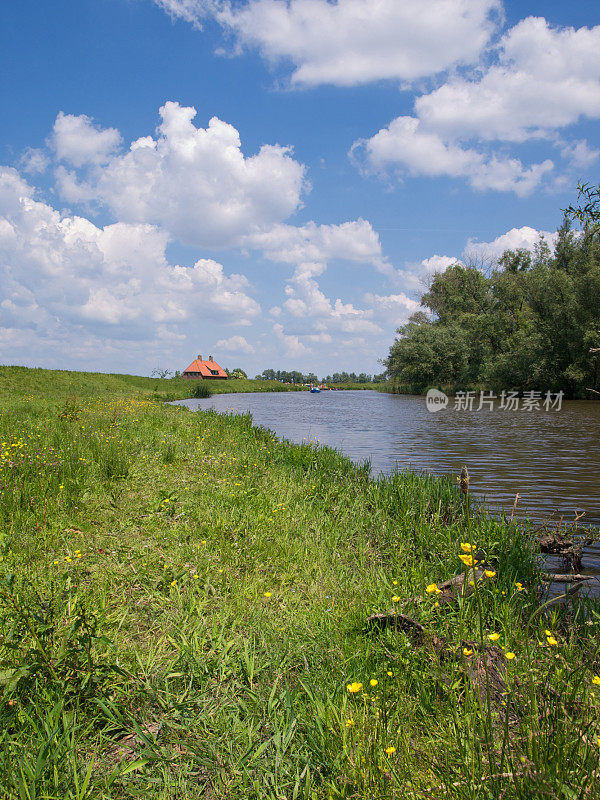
[[408, 147], [194, 182], [546, 78], [352, 42], [62, 276], [235, 344], [78, 141]]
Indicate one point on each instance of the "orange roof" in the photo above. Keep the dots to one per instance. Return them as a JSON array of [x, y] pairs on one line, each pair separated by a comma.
[[206, 369]]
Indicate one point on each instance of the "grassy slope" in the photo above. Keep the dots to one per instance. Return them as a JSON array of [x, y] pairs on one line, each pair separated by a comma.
[[227, 576], [57, 384]]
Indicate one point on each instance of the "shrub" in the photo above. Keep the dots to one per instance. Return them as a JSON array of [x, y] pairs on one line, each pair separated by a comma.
[[200, 390]]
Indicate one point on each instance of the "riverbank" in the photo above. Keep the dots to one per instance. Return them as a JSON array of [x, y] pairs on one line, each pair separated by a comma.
[[56, 384], [187, 611]]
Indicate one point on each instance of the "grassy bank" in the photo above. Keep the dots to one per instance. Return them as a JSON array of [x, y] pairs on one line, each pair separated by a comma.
[[183, 602], [50, 384]]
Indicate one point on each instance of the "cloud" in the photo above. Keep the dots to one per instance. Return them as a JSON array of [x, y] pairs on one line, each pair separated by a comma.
[[580, 154], [76, 140], [406, 146], [352, 42], [292, 346], [64, 275], [395, 308], [235, 344], [546, 78], [34, 161], [516, 238], [351, 241], [194, 182]]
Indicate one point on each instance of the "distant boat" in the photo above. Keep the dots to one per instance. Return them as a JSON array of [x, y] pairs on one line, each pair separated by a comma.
[[315, 389]]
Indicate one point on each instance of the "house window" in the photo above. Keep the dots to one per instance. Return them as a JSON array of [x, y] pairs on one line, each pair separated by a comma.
[[214, 372]]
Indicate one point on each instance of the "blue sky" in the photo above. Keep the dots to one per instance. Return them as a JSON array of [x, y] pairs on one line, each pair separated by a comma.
[[273, 181]]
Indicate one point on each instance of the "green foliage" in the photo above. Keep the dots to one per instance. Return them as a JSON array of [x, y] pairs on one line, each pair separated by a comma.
[[200, 389], [532, 323]]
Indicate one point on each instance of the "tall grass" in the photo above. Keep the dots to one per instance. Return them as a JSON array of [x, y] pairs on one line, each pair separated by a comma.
[[183, 600]]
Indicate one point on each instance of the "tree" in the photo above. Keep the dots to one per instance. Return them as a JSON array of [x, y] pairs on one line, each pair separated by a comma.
[[161, 372], [238, 372], [587, 213], [529, 323]]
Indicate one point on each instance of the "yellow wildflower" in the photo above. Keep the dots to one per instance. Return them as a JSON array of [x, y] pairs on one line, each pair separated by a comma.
[[510, 656], [596, 680], [349, 722], [551, 640], [396, 599], [395, 583], [268, 594], [466, 547], [174, 583], [354, 687], [196, 577], [433, 589], [467, 652], [68, 559], [519, 586], [490, 573], [391, 673], [468, 561], [548, 633], [390, 750], [493, 637], [373, 682]]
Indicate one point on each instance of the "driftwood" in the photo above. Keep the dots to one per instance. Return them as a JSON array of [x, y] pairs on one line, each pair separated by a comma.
[[556, 577], [569, 549], [484, 670]]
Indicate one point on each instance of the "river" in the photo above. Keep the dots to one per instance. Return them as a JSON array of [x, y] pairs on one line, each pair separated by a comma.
[[550, 458]]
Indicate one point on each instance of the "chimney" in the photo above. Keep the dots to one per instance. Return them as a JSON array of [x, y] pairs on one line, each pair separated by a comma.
[[210, 358], [199, 357]]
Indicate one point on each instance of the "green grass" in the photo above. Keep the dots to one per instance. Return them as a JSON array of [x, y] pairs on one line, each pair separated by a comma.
[[47, 384], [183, 601]]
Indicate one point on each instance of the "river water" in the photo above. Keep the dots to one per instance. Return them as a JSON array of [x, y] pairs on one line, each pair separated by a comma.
[[550, 458]]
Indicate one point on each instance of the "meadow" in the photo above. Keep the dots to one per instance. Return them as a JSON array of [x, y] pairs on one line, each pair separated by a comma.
[[184, 606]]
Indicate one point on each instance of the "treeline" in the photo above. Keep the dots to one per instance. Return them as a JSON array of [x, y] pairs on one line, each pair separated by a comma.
[[337, 377], [531, 323]]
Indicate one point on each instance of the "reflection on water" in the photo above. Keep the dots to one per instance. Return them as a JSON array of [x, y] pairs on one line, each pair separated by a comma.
[[551, 459]]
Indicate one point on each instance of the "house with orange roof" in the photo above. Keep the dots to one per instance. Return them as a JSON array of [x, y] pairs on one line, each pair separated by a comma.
[[204, 369]]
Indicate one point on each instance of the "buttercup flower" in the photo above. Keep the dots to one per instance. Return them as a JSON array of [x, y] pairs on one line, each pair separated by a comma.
[[596, 680], [468, 561], [433, 589], [467, 652], [493, 637], [268, 594], [466, 547], [396, 599], [390, 750], [510, 656], [354, 687], [490, 573], [349, 722], [373, 682], [519, 586], [551, 640]]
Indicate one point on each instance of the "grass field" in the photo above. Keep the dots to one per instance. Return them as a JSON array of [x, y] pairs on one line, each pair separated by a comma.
[[58, 384], [183, 601]]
